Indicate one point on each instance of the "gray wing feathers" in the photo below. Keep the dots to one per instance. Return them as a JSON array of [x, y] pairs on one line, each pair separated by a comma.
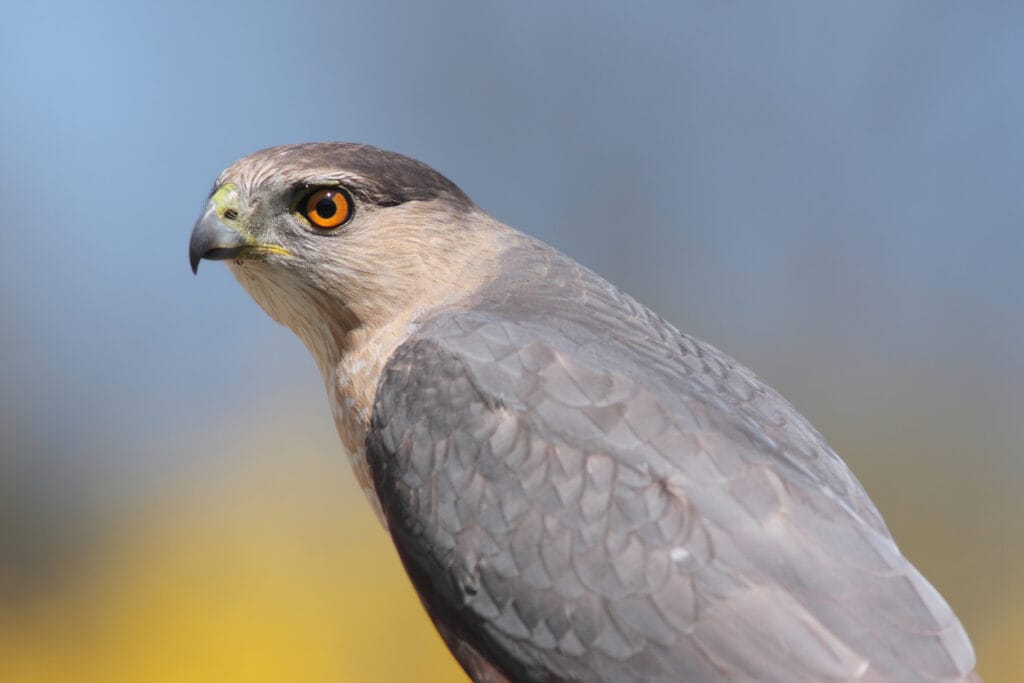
[[638, 510]]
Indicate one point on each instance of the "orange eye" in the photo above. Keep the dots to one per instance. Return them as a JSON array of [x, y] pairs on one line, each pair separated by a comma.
[[328, 208]]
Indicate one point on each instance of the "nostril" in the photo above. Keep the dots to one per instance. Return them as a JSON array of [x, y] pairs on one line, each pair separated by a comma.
[[230, 214]]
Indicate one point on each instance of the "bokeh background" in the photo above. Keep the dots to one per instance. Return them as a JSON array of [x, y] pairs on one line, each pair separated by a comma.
[[831, 192]]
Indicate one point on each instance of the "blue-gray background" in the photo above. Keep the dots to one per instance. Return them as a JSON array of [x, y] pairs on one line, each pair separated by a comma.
[[832, 193]]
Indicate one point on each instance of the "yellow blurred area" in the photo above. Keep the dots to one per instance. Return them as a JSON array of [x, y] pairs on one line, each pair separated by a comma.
[[273, 571], [263, 562], [998, 645]]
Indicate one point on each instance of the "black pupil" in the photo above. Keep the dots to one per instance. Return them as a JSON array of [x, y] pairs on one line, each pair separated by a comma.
[[326, 207]]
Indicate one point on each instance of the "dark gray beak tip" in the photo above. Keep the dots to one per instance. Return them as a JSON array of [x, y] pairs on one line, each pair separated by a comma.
[[213, 240]]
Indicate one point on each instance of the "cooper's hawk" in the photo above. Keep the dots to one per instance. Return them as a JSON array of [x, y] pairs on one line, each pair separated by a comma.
[[579, 491]]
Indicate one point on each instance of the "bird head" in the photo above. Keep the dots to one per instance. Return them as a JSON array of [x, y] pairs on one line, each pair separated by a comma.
[[329, 237]]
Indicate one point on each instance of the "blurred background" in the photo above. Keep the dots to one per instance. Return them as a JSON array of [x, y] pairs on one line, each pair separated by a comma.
[[830, 192]]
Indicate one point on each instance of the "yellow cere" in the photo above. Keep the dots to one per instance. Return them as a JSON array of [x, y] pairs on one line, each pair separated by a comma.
[[225, 199], [225, 202]]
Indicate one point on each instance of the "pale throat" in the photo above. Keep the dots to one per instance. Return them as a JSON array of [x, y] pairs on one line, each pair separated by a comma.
[[351, 353], [351, 384]]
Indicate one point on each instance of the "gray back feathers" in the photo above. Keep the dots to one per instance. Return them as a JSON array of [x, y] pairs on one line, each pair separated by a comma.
[[582, 493]]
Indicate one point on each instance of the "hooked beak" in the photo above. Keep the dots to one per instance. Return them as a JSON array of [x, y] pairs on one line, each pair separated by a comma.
[[213, 240]]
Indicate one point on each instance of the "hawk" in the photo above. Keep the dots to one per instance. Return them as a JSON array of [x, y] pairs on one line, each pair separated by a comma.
[[578, 491]]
